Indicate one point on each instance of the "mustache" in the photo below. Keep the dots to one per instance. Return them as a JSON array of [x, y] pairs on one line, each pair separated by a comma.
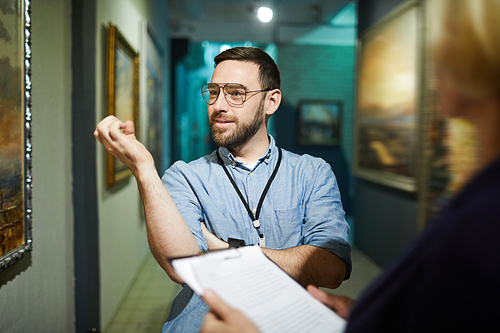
[[220, 116]]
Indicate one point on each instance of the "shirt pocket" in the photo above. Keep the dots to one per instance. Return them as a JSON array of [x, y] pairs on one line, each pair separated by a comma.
[[289, 227]]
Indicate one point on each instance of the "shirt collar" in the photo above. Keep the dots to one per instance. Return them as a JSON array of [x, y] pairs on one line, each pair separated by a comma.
[[226, 154]]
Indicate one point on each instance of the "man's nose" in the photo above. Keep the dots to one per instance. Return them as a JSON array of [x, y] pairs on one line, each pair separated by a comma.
[[220, 103]]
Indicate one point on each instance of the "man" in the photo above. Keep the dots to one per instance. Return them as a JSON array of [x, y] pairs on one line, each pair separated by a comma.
[[448, 279], [248, 190]]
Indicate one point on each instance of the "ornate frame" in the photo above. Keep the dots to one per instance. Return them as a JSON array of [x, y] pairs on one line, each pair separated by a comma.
[[121, 59], [16, 213]]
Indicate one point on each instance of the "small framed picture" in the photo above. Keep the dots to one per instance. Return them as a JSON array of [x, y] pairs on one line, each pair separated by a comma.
[[319, 122]]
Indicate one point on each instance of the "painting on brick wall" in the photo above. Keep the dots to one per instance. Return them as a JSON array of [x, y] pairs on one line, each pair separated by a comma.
[[15, 132], [319, 122], [387, 116]]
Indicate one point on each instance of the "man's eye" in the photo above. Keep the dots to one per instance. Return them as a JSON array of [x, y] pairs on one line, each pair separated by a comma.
[[236, 93]]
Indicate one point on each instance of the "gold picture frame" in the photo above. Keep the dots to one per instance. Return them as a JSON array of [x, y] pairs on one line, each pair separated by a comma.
[[388, 99], [122, 94]]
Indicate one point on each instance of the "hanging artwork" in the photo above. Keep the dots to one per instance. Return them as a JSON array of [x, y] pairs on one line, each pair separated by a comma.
[[451, 155], [451, 158], [319, 123], [153, 57], [388, 97], [15, 132], [122, 81]]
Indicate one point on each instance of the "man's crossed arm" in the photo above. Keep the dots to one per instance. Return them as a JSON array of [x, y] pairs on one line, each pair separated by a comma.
[[306, 264]]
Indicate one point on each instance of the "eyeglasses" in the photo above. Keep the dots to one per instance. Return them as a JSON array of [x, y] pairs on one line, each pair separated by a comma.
[[235, 93]]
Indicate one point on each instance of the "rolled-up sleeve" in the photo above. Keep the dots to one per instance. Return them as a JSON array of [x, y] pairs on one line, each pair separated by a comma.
[[324, 217]]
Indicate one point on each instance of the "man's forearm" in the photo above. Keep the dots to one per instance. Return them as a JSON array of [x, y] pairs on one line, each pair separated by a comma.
[[168, 233], [310, 265]]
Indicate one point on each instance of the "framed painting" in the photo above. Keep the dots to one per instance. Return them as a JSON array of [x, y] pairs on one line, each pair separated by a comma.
[[15, 133], [122, 94], [451, 152], [152, 111], [319, 122], [388, 99], [452, 158]]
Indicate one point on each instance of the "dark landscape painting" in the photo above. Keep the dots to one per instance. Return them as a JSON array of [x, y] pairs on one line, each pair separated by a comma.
[[387, 102], [319, 122], [11, 127]]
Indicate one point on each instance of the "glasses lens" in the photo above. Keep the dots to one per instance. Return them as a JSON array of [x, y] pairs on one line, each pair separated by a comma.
[[235, 93], [210, 92]]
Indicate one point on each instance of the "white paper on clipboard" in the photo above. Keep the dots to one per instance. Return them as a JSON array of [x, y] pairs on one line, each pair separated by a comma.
[[248, 281]]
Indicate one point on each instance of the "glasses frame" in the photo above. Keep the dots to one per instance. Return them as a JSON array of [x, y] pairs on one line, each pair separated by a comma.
[[204, 88]]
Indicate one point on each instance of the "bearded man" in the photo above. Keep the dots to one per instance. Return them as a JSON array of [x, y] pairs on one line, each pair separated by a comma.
[[248, 191]]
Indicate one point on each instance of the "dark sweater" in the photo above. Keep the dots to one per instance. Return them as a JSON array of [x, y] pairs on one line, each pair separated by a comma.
[[448, 280]]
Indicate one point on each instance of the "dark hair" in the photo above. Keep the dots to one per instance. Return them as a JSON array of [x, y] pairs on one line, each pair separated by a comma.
[[269, 73]]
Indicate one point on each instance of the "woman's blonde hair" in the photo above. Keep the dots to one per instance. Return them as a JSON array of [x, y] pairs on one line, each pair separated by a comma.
[[465, 44]]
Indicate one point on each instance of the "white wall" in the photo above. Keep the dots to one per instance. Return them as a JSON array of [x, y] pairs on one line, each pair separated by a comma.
[[122, 233], [36, 294]]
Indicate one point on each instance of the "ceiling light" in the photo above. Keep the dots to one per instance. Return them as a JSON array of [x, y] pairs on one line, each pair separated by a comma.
[[265, 14]]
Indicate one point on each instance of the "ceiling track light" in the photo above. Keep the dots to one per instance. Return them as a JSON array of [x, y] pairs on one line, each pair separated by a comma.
[[264, 14]]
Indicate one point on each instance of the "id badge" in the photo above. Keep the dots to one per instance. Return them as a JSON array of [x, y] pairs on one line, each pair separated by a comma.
[[262, 241]]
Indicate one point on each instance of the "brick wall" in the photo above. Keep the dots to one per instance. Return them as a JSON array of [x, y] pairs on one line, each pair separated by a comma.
[[319, 72]]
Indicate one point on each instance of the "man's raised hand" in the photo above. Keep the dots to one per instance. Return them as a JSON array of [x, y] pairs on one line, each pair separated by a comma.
[[119, 139]]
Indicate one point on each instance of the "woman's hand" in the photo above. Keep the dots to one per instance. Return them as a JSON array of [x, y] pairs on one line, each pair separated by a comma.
[[341, 305], [224, 319]]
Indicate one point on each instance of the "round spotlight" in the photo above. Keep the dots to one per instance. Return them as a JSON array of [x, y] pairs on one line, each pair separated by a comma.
[[265, 14]]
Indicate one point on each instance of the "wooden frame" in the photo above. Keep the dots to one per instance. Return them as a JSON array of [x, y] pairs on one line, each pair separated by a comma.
[[319, 122], [122, 98], [388, 99], [15, 148]]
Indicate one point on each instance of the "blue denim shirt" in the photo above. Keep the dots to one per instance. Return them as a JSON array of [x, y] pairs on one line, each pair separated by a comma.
[[302, 207]]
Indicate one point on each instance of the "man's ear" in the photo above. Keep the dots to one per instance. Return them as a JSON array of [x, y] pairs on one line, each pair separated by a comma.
[[274, 101]]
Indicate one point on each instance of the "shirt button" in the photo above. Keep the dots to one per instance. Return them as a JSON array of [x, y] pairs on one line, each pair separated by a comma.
[[254, 211], [251, 174], [267, 160], [234, 163]]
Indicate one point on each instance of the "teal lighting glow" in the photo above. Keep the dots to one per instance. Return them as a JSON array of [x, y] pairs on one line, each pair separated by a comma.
[[346, 17]]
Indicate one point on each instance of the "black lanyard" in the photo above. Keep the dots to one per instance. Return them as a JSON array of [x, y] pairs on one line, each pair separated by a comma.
[[255, 219]]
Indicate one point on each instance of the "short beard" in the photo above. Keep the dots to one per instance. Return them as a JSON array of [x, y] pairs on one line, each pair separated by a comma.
[[240, 135]]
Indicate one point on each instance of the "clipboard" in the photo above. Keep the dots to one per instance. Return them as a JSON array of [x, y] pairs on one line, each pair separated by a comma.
[[248, 281]]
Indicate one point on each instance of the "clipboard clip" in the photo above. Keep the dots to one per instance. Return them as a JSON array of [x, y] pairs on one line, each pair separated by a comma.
[[235, 243]]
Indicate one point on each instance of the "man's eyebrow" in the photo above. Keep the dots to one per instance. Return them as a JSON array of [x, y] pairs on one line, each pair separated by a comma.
[[240, 84], [246, 88]]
